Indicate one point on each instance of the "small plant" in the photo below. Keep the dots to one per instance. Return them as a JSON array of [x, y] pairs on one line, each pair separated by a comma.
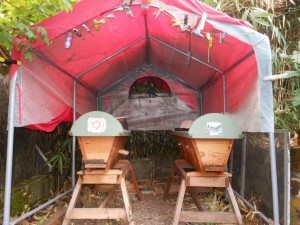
[[61, 159], [287, 95], [42, 219], [296, 60]]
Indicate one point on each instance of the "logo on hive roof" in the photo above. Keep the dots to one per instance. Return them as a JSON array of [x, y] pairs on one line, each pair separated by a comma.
[[214, 128], [96, 125]]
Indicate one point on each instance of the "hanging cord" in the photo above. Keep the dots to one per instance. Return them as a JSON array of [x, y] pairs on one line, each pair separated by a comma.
[[189, 54]]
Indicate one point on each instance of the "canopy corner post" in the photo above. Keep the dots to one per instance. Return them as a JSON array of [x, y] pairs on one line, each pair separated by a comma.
[[10, 146], [73, 137], [274, 178], [287, 179], [243, 164]]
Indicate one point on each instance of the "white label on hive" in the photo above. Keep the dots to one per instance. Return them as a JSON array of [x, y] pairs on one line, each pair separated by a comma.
[[96, 125], [214, 128]]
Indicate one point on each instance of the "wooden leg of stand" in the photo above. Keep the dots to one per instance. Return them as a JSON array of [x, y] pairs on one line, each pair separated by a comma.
[[108, 198], [134, 182], [167, 189], [194, 197], [126, 201], [73, 201], [179, 202], [234, 205]]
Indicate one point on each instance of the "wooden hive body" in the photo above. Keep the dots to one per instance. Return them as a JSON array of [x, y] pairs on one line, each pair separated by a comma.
[[208, 143], [206, 154], [104, 150], [100, 137]]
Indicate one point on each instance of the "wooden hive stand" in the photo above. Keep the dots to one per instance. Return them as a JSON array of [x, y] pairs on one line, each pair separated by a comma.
[[205, 150], [102, 138]]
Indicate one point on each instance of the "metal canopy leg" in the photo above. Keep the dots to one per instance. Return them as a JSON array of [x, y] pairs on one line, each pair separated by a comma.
[[10, 145], [73, 175], [274, 179]]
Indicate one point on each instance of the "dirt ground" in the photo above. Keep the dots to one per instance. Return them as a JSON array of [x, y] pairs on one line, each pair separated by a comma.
[[151, 210]]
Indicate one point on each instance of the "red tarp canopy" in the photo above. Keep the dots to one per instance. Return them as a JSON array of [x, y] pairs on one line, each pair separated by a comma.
[[219, 68]]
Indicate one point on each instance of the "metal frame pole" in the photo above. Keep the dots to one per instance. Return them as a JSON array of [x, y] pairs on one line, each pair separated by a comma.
[[224, 93], [260, 214], [199, 102], [9, 163], [147, 40], [274, 178], [10, 149], [243, 165], [74, 138], [184, 53], [287, 179], [24, 216]]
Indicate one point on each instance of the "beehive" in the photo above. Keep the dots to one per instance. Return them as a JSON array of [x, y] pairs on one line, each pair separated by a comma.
[[207, 144], [101, 138]]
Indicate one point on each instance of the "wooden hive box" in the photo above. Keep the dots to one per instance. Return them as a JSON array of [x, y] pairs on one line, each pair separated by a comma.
[[101, 138], [207, 144]]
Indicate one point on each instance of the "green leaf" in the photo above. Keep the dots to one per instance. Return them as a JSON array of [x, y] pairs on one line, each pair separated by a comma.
[[296, 99], [44, 33], [293, 74], [28, 55], [261, 21], [20, 46], [53, 159], [261, 13], [245, 15], [6, 39], [21, 26], [283, 55], [18, 16], [30, 35], [60, 165], [296, 57]]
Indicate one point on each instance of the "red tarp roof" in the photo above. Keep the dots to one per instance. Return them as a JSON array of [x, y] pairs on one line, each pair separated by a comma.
[[123, 43]]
